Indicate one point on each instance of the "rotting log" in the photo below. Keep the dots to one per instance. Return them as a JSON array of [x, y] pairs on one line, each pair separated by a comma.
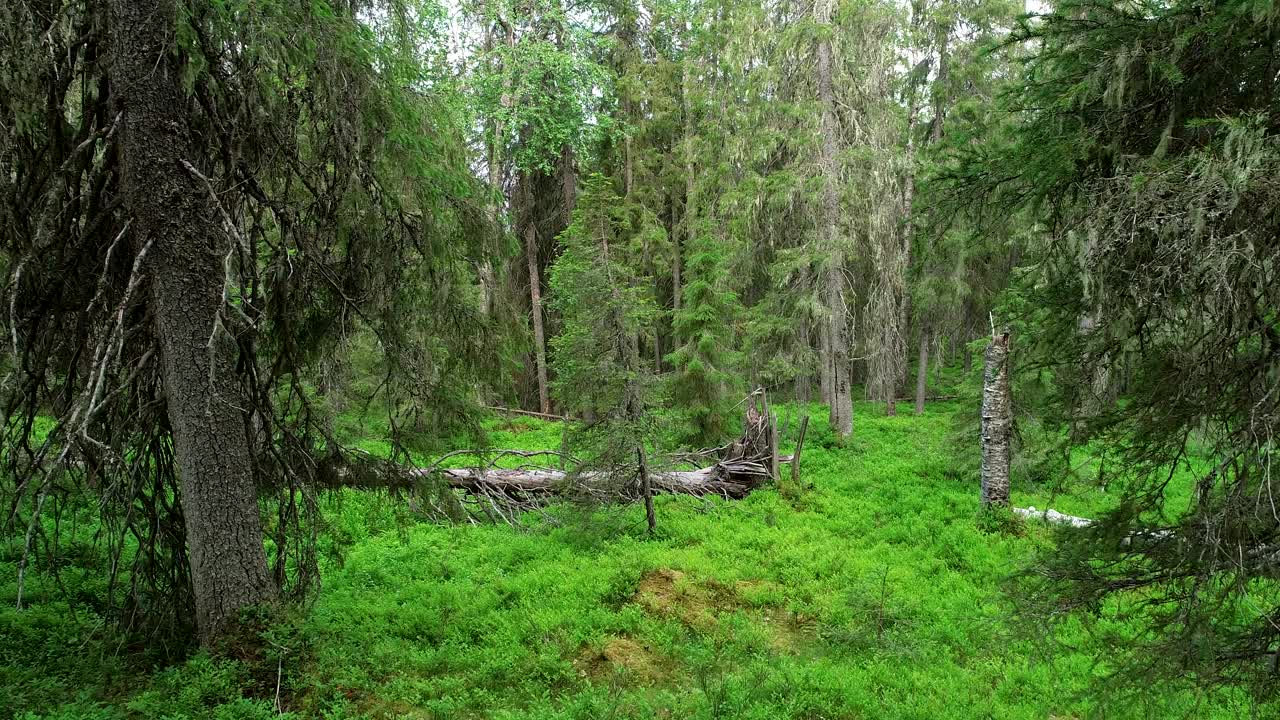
[[1053, 517], [744, 465], [733, 480], [729, 480]]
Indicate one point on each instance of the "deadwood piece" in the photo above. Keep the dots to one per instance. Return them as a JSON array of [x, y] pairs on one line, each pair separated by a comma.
[[646, 488], [997, 422], [1053, 517]]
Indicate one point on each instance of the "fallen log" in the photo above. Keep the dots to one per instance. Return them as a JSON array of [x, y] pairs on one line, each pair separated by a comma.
[[1053, 517], [530, 413], [729, 480], [745, 465]]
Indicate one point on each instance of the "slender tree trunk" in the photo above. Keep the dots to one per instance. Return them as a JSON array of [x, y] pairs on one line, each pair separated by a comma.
[[535, 298], [828, 227], [940, 95], [690, 216], [488, 283], [676, 285], [173, 217], [997, 423], [922, 370]]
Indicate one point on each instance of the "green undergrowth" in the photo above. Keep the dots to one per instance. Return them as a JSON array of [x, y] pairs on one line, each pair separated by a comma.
[[875, 591]]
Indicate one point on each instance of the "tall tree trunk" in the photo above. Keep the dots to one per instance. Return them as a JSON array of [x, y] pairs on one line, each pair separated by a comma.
[[174, 218], [535, 299], [997, 422], [689, 218], [828, 227], [922, 369], [488, 283]]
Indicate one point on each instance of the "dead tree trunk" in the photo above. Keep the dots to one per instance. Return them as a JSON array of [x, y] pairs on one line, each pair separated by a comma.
[[744, 465], [646, 488], [175, 220], [997, 423]]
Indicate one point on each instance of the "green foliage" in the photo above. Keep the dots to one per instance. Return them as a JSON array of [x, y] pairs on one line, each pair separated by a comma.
[[1149, 302], [704, 385], [542, 86], [605, 305], [754, 608]]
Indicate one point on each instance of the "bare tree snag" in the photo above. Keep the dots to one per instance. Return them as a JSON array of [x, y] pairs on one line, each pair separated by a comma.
[[997, 422], [174, 216]]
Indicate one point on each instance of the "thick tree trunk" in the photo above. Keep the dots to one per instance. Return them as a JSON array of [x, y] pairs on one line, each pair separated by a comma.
[[535, 308], [828, 227], [922, 369], [997, 423], [174, 219]]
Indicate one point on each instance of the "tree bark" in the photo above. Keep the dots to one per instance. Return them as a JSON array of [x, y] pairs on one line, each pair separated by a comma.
[[174, 219], [535, 297], [997, 423], [922, 369], [828, 227]]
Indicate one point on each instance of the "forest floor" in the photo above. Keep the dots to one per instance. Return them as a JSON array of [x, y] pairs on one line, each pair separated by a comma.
[[872, 593]]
